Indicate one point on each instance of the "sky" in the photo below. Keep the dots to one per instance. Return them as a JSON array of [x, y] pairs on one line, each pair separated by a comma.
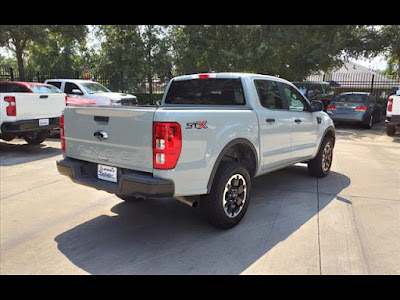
[[377, 63]]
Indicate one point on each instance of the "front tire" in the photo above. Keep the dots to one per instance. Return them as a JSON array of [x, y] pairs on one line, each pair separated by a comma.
[[36, 137], [229, 198], [320, 165]]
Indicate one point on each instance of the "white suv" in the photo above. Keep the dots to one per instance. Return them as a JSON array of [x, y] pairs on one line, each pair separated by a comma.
[[393, 113]]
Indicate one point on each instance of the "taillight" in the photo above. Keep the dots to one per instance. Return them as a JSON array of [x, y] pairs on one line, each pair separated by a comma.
[[62, 135], [390, 105], [66, 100], [205, 76], [11, 109], [167, 144], [331, 107], [361, 108]]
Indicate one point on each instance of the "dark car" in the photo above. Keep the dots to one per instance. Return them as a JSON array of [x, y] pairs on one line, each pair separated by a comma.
[[355, 107], [316, 91]]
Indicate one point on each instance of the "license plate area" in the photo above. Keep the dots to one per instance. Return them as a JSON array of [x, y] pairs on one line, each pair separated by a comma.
[[44, 122], [107, 173]]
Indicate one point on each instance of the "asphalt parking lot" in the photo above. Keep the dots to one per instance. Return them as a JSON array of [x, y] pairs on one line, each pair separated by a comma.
[[346, 223]]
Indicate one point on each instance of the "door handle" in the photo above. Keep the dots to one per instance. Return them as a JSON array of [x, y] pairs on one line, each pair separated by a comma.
[[44, 96], [298, 121], [270, 120]]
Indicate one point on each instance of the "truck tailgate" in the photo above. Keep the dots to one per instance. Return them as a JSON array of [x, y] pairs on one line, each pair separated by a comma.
[[36, 106], [124, 136]]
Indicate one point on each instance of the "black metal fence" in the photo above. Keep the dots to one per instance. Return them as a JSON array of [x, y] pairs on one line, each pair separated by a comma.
[[374, 83], [115, 81]]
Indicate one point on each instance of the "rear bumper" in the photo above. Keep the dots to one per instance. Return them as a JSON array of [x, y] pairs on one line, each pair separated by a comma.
[[350, 118], [28, 125], [393, 120], [130, 183]]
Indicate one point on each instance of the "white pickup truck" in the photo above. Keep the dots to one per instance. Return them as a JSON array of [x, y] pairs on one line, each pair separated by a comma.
[[212, 133], [393, 113], [91, 90], [29, 110]]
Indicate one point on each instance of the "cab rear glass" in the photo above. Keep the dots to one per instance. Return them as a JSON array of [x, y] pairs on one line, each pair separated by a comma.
[[353, 98], [210, 91]]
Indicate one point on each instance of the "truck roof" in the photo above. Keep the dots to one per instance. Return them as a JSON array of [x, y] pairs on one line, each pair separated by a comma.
[[230, 75], [71, 80]]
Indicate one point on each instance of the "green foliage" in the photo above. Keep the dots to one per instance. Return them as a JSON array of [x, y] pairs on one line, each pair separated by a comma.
[[50, 46], [142, 51], [61, 51], [290, 51], [390, 41]]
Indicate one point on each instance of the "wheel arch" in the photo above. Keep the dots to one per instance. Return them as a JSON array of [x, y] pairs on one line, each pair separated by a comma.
[[329, 132], [236, 150]]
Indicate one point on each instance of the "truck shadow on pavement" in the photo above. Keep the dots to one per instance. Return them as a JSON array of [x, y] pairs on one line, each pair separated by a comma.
[[15, 154], [355, 132], [157, 236]]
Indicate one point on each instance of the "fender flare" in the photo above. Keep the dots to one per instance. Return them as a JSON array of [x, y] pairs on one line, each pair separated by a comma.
[[329, 129], [238, 141]]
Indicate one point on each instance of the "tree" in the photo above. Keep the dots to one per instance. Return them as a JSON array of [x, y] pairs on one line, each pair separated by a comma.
[[17, 37], [390, 41], [60, 50], [133, 51], [157, 57], [290, 51], [20, 38]]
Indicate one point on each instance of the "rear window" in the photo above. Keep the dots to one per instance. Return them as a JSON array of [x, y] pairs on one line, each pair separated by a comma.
[[211, 91], [355, 98], [13, 88], [44, 89]]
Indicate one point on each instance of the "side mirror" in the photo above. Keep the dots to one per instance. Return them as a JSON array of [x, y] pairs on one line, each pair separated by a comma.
[[398, 92], [316, 105], [77, 92], [158, 102]]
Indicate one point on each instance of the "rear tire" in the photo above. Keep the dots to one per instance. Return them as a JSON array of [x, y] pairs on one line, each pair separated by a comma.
[[229, 198], [7, 137], [320, 165], [36, 137], [369, 123], [390, 129]]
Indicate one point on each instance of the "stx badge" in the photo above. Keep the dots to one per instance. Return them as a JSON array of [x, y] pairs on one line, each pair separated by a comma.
[[197, 125]]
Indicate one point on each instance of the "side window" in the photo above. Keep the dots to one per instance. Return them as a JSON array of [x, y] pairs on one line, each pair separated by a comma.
[[69, 87], [19, 89], [268, 93], [5, 88], [295, 99], [329, 90], [314, 90], [13, 88], [55, 83]]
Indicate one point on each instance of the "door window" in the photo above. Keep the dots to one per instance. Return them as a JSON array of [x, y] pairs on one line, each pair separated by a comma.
[[268, 94], [294, 98], [69, 87], [55, 83]]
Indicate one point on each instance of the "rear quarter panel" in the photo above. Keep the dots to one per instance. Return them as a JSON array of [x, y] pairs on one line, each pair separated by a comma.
[[201, 147], [395, 106]]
